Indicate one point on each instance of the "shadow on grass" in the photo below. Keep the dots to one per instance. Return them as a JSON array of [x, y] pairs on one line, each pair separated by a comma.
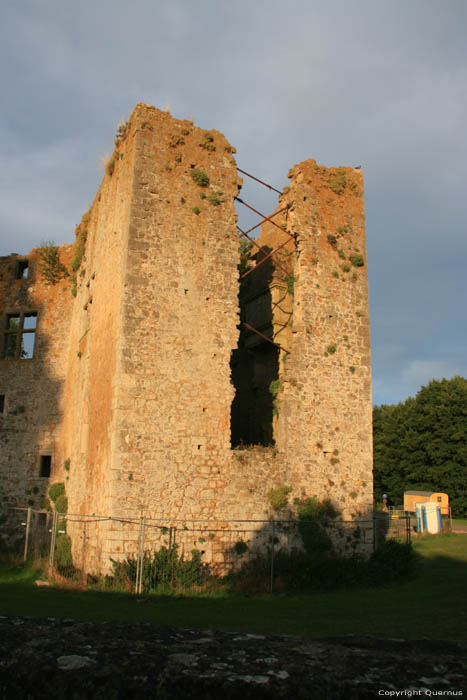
[[432, 604]]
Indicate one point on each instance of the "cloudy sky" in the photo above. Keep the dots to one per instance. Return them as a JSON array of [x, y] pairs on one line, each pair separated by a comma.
[[381, 83]]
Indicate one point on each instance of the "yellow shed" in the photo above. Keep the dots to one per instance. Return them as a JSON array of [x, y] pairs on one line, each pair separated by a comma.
[[413, 497]]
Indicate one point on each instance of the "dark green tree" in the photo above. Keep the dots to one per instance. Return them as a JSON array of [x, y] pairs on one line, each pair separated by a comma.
[[422, 444]]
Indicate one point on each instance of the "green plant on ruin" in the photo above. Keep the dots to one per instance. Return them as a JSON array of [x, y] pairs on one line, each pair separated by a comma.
[[67, 464], [274, 389], [290, 282], [52, 270], [208, 142], [357, 260], [200, 177], [165, 568], [313, 518], [337, 181], [61, 504], [341, 230], [122, 131], [240, 547], [345, 267], [278, 498], [176, 140], [63, 556], [335, 274], [55, 491], [354, 276], [352, 369], [334, 460], [245, 257], [80, 242], [110, 167], [214, 198], [196, 210], [341, 253], [331, 349], [332, 240]]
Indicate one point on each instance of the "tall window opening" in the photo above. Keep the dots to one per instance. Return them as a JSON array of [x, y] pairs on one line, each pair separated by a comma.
[[255, 362], [45, 466], [19, 336], [2, 403]]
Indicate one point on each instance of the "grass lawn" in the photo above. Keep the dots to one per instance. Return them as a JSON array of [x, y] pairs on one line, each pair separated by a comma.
[[459, 521], [432, 603]]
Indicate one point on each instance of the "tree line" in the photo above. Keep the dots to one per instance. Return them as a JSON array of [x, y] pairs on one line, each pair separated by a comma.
[[421, 444]]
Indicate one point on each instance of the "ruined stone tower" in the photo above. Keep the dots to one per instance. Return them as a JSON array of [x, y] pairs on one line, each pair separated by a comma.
[[145, 377]]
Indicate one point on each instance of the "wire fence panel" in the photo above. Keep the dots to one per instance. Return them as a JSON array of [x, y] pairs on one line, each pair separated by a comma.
[[141, 552]]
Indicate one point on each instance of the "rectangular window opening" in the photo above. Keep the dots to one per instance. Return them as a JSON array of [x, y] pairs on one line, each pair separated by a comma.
[[22, 270], [19, 336], [45, 465], [2, 403]]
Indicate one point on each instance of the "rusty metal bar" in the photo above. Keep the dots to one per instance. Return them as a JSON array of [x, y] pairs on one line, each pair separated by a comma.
[[279, 211], [266, 218], [270, 187], [250, 328], [252, 240], [266, 257]]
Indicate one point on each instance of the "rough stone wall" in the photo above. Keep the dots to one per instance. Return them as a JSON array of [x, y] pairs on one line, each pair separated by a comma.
[[324, 424], [179, 321], [31, 421], [136, 368]]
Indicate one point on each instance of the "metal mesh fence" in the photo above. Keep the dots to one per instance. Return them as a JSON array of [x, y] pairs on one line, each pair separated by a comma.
[[86, 548]]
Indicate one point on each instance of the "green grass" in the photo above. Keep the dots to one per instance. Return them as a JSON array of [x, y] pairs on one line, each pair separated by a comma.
[[459, 521], [432, 603]]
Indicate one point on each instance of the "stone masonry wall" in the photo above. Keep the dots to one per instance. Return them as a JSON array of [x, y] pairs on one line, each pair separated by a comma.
[[33, 388], [324, 422], [136, 369]]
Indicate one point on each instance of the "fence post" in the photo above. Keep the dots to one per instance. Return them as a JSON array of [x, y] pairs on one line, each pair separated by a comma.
[[273, 537], [83, 556], [26, 538], [52, 543], [139, 563], [374, 532]]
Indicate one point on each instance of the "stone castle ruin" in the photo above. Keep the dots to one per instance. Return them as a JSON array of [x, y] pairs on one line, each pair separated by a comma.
[[140, 370]]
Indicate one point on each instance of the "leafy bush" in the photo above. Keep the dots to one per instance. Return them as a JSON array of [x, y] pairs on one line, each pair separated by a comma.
[[313, 518], [63, 556], [55, 491], [164, 568], [324, 570], [61, 504], [279, 497], [200, 177], [356, 260], [50, 266]]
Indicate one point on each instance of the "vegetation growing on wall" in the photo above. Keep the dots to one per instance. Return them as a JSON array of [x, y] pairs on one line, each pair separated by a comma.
[[274, 389], [81, 233], [337, 182], [278, 498], [200, 177], [52, 270]]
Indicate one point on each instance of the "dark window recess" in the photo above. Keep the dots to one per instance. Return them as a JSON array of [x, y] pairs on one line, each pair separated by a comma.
[[255, 362], [18, 336], [22, 270], [2, 403], [46, 463]]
